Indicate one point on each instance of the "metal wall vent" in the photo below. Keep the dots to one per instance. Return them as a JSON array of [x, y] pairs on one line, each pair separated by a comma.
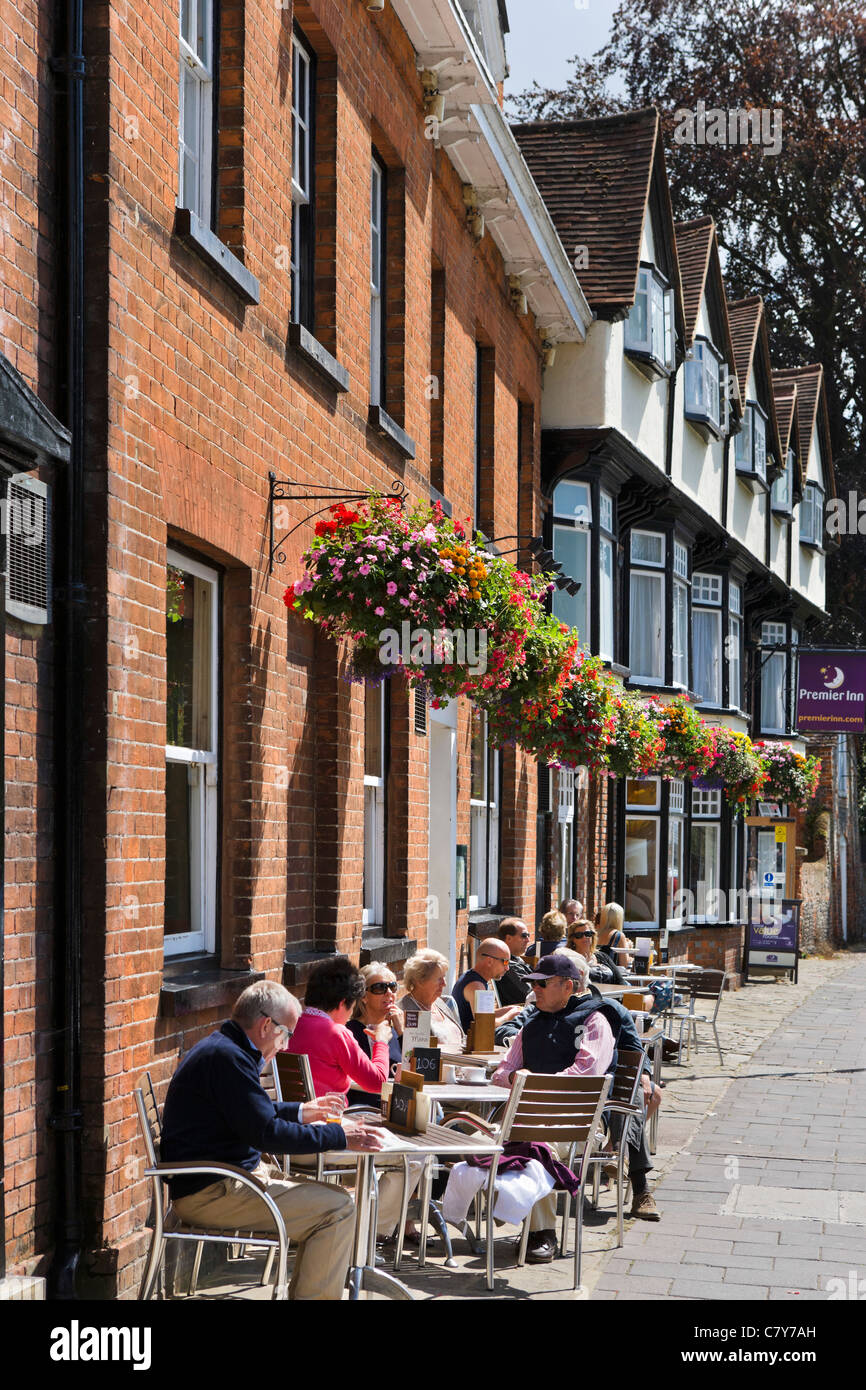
[[27, 523], [420, 711]]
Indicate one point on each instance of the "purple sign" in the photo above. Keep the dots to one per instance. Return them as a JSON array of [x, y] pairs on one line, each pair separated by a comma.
[[774, 938], [831, 692]]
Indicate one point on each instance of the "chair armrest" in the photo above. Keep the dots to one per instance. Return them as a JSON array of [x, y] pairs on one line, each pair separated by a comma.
[[475, 1121], [618, 1107], [219, 1170]]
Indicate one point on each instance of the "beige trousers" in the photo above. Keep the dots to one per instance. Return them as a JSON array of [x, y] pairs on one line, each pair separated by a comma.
[[543, 1214], [318, 1216], [389, 1172]]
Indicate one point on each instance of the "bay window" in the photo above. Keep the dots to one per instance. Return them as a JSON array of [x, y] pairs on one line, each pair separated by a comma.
[[750, 445], [375, 752], [572, 518], [705, 401], [483, 817], [707, 637], [649, 336], [812, 515], [191, 754], [647, 608]]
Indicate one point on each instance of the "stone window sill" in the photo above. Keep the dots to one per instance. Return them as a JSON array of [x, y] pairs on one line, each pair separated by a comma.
[[194, 984], [305, 345], [381, 421], [193, 232]]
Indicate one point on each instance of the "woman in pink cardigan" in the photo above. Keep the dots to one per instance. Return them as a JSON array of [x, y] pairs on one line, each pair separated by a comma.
[[338, 1063]]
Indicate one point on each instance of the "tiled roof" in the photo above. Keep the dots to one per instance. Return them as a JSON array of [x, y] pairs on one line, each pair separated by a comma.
[[698, 257], [694, 244], [785, 398], [744, 316], [595, 177], [811, 410]]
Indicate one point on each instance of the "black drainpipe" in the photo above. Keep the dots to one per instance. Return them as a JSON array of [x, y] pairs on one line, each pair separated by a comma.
[[2, 920], [65, 1118], [669, 432]]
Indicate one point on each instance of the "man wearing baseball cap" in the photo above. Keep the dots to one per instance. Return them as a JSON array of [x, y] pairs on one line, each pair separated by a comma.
[[568, 1036]]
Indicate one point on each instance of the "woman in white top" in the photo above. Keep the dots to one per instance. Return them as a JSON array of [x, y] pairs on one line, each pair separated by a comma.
[[425, 976]]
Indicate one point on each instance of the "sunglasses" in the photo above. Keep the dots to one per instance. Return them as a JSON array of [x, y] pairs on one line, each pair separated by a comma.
[[283, 1027], [383, 987], [542, 984], [581, 936]]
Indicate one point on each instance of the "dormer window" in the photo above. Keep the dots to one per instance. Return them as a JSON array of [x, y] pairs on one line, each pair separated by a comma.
[[705, 402], [649, 329], [782, 492], [750, 446], [812, 515]]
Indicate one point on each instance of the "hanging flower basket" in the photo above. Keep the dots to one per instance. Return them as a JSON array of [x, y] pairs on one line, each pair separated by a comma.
[[418, 598], [582, 731], [636, 745], [532, 705], [790, 777], [736, 766], [688, 743]]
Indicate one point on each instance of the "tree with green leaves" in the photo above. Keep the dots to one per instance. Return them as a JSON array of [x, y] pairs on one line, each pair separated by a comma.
[[791, 225]]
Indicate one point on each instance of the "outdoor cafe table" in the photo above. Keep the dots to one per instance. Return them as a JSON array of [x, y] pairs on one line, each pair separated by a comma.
[[435, 1143]]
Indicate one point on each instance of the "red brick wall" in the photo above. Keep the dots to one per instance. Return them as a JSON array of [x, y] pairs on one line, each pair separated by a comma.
[[193, 397]]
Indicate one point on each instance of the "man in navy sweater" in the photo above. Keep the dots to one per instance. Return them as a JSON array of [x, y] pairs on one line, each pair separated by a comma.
[[216, 1110]]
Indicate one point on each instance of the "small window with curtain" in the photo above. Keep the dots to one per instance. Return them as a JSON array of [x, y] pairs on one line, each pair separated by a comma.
[[375, 734], [572, 512], [483, 817], [707, 638]]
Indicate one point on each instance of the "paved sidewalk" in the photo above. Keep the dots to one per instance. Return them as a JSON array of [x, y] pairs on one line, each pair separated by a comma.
[[767, 1200]]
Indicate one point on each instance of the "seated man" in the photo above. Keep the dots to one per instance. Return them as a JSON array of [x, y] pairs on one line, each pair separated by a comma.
[[514, 986], [625, 1036], [491, 963], [567, 1035], [216, 1110]]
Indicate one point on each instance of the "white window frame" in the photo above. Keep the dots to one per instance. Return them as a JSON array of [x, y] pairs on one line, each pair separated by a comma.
[[680, 635], [782, 491], [565, 827], [302, 140], [606, 547], [640, 805], [203, 774], [646, 922], [639, 563], [484, 829], [812, 514], [750, 457], [735, 660], [377, 278], [707, 824], [373, 912], [704, 394], [196, 62], [657, 342], [707, 600], [706, 803], [676, 838], [773, 634]]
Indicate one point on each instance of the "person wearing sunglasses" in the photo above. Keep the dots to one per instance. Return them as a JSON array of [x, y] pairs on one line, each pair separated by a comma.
[[603, 970], [491, 962], [378, 1005], [514, 986]]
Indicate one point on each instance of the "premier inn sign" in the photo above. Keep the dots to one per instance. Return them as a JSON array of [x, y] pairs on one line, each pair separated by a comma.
[[831, 692]]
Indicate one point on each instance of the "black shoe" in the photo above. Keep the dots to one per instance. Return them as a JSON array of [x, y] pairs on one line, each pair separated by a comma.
[[541, 1248]]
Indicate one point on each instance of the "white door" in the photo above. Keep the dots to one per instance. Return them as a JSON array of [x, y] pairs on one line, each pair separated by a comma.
[[441, 885]]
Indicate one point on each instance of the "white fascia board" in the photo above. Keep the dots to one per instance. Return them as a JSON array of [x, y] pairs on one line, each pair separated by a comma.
[[522, 228], [537, 220]]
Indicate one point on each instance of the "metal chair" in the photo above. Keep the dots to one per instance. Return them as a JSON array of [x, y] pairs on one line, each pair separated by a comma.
[[624, 1099], [709, 984], [159, 1173], [555, 1110]]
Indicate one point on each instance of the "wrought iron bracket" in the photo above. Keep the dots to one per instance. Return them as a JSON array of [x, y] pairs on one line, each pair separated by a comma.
[[286, 490]]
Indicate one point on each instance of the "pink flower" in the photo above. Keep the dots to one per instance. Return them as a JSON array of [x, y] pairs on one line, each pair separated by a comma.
[[405, 602], [390, 587], [407, 563], [380, 612], [303, 586], [429, 532], [447, 565], [363, 569]]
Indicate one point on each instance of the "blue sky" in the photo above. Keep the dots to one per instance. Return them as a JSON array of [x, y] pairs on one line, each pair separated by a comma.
[[546, 33]]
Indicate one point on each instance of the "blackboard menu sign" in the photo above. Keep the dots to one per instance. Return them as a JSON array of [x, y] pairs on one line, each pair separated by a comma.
[[427, 1062], [402, 1109]]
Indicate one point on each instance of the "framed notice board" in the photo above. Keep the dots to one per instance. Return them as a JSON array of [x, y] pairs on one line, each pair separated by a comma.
[[773, 936]]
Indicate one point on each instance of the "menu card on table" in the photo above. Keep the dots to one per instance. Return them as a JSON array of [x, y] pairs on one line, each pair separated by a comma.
[[416, 1030]]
